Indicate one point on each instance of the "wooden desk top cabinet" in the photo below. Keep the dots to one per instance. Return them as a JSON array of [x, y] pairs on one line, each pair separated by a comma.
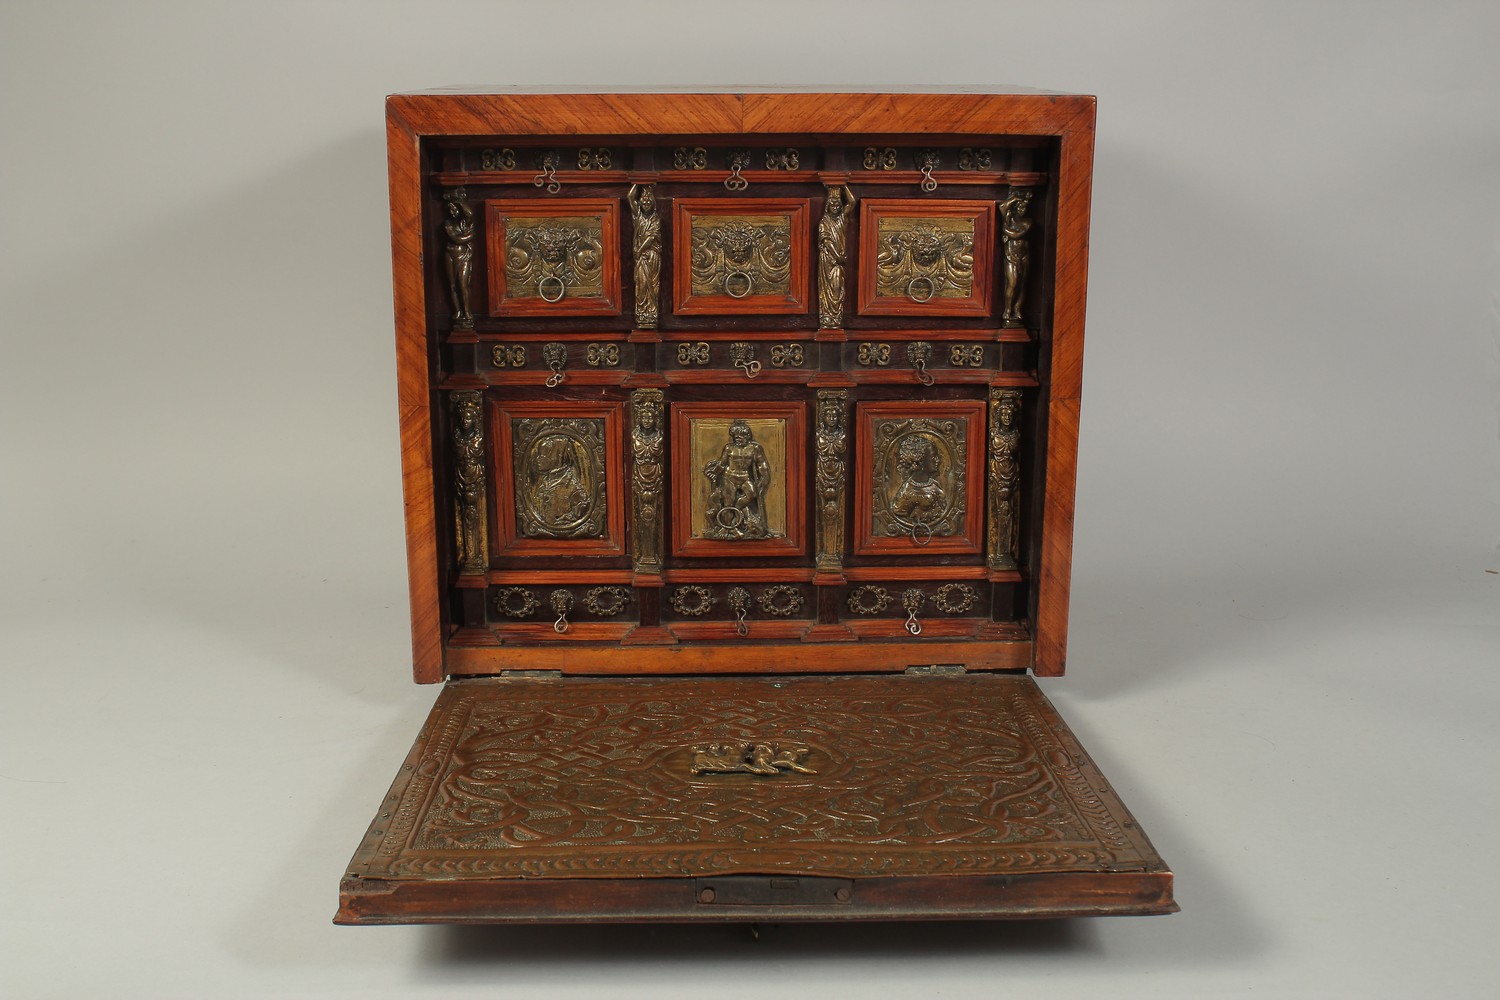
[[739, 436]]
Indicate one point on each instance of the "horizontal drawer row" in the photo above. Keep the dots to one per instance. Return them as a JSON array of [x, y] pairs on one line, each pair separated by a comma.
[[737, 478], [543, 257], [895, 608], [538, 360]]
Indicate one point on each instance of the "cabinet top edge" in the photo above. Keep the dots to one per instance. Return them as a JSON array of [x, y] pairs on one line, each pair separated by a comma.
[[734, 89], [536, 111]]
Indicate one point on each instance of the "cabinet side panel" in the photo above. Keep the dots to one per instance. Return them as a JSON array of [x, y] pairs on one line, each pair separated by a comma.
[[1074, 188], [414, 400]]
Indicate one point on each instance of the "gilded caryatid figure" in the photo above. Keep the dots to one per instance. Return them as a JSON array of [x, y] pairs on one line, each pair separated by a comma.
[[833, 255], [1013, 227], [649, 464], [1005, 477], [832, 477], [647, 252], [459, 260], [738, 482], [469, 481]]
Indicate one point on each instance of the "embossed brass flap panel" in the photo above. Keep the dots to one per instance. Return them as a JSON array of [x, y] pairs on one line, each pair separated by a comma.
[[525, 799]]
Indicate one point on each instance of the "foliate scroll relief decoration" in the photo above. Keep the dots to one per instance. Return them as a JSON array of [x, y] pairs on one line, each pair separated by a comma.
[[689, 158], [868, 600], [1013, 228], [646, 245], [559, 477], [785, 158], [970, 158], [469, 487], [602, 355], [595, 158], [833, 255], [831, 477], [606, 602], [924, 258], [553, 257], [763, 759], [648, 466], [508, 356], [459, 256], [692, 600], [497, 159], [1004, 475], [739, 480], [780, 601], [919, 477], [516, 602], [787, 356], [695, 352], [741, 255], [970, 777], [956, 598]]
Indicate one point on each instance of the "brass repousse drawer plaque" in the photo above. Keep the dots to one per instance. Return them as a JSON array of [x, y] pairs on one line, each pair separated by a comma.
[[740, 255], [555, 258], [562, 482], [930, 258]]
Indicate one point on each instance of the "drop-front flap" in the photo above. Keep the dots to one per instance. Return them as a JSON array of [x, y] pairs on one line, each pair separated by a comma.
[[752, 799]]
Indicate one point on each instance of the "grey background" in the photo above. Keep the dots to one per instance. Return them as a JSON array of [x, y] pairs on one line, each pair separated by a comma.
[[1286, 616]]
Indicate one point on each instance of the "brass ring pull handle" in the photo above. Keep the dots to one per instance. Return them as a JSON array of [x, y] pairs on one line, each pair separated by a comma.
[[930, 285], [548, 282], [556, 356], [739, 603], [730, 517], [547, 163], [562, 602], [736, 181], [912, 600], [749, 284], [750, 368], [918, 353], [927, 162], [921, 533]]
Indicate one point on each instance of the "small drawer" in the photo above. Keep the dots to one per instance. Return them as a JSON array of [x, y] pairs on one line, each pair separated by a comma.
[[712, 359], [561, 478], [559, 257], [922, 361], [906, 608], [740, 256], [738, 479], [926, 258], [919, 478]]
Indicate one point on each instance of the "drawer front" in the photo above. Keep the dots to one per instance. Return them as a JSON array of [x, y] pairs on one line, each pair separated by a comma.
[[739, 478], [709, 357], [560, 257], [919, 480], [926, 258], [561, 478], [740, 256]]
